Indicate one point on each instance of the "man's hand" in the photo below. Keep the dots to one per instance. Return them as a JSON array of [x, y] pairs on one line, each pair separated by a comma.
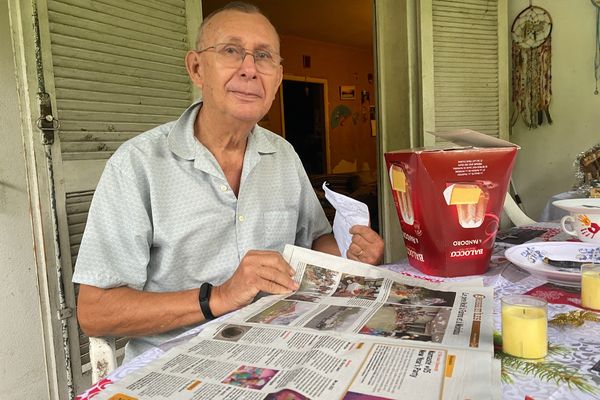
[[367, 245], [264, 271]]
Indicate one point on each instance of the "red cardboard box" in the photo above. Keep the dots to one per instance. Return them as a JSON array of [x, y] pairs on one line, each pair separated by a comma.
[[449, 201]]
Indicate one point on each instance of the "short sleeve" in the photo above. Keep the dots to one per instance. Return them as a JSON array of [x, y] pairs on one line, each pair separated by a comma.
[[115, 248]]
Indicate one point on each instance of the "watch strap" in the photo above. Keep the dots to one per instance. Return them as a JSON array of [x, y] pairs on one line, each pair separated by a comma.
[[203, 299]]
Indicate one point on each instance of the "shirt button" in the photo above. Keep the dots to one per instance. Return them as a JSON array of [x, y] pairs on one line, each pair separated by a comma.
[[242, 218], [223, 188]]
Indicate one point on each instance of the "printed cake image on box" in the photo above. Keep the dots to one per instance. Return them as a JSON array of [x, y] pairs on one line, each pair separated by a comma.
[[449, 201]]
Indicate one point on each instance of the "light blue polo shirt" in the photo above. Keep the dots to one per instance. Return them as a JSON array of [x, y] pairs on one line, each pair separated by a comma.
[[163, 217]]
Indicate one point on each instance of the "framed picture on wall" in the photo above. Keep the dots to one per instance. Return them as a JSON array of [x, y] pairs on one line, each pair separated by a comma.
[[347, 92]]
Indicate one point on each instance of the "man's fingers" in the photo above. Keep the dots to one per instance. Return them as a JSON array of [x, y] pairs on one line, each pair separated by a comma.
[[275, 288], [271, 259], [365, 233], [367, 246], [274, 279]]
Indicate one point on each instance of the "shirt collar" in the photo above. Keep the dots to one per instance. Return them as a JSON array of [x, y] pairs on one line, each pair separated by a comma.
[[182, 142]]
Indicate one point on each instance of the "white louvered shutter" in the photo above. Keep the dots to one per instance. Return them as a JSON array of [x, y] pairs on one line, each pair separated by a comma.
[[117, 69], [464, 66]]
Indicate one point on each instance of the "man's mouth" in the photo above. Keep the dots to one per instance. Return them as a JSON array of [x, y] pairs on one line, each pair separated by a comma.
[[246, 94]]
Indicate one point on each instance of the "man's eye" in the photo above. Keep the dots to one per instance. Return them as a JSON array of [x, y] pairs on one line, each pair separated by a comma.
[[262, 55], [230, 50]]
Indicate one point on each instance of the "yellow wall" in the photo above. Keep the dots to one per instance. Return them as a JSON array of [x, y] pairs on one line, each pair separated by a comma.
[[339, 65], [545, 163]]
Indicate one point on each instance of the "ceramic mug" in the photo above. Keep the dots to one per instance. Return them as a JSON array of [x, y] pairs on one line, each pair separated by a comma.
[[586, 227], [584, 219]]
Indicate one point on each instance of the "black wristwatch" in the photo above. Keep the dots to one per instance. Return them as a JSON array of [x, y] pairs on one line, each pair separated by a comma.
[[203, 298]]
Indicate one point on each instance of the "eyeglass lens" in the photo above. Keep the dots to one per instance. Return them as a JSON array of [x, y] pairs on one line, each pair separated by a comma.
[[233, 56]]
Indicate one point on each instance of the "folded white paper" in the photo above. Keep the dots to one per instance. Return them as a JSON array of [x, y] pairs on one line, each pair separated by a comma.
[[348, 212]]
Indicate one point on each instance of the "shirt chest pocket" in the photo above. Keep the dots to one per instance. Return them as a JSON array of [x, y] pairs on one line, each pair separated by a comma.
[[279, 228]]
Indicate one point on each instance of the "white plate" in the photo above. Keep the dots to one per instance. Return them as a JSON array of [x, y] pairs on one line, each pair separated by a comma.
[[587, 205], [529, 256]]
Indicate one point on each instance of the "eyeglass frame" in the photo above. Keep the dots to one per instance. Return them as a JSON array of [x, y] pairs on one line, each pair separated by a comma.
[[244, 53]]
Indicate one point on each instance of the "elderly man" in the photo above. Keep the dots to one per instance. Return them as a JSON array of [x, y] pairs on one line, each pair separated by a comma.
[[209, 199]]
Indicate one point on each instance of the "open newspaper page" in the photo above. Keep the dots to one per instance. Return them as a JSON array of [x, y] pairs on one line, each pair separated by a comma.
[[351, 331]]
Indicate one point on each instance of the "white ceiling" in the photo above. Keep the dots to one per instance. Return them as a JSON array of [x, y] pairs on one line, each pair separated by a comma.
[[346, 22]]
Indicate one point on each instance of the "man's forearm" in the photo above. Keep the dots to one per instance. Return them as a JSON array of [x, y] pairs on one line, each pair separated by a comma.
[[124, 311], [326, 244]]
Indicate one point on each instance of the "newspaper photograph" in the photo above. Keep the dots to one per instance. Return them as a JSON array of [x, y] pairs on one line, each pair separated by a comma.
[[351, 331]]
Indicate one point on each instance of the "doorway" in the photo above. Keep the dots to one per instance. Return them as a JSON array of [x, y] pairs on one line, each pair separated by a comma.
[[304, 122]]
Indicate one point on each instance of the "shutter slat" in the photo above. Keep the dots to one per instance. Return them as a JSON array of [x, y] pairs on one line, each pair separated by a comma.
[[91, 27], [76, 105], [75, 74], [77, 218], [91, 146], [121, 13], [77, 156], [124, 59], [464, 4], [70, 64], [96, 136], [93, 38], [469, 30], [120, 98], [125, 51], [82, 126], [75, 12], [121, 89], [176, 7], [93, 116], [178, 19]]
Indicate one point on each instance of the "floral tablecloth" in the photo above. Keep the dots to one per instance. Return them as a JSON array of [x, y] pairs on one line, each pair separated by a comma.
[[570, 371]]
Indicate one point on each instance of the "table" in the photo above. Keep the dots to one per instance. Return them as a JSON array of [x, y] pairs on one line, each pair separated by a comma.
[[570, 371]]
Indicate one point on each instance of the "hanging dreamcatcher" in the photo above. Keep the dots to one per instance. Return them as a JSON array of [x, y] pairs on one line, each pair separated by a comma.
[[531, 64], [597, 56]]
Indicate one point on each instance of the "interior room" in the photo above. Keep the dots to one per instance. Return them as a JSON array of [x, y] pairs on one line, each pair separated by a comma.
[[362, 78]]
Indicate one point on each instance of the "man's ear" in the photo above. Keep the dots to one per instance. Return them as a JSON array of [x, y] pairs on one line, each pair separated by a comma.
[[194, 68], [280, 76]]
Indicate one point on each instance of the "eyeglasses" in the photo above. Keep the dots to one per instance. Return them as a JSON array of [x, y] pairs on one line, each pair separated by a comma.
[[233, 55]]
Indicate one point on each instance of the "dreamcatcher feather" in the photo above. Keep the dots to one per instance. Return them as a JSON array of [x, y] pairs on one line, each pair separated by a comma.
[[531, 66], [597, 55]]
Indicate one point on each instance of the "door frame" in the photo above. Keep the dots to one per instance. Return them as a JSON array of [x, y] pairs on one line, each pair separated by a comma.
[[26, 26], [296, 78]]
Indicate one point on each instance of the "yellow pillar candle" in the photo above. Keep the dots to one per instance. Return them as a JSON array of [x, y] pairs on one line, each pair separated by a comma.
[[590, 286], [524, 326]]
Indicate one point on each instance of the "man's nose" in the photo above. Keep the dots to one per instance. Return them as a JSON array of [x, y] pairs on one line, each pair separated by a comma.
[[248, 66]]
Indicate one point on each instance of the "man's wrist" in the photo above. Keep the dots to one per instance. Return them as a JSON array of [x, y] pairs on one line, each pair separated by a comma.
[[204, 300]]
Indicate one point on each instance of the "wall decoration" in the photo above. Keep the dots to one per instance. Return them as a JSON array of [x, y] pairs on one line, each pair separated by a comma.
[[597, 55], [347, 92], [365, 98], [339, 115], [373, 121], [531, 66]]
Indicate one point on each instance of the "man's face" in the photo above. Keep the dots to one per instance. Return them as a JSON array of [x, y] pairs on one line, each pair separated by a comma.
[[240, 93]]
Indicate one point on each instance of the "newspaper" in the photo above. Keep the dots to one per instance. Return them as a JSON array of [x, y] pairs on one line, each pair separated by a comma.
[[351, 331]]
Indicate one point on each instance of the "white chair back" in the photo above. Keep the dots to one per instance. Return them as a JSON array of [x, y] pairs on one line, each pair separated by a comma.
[[516, 215], [102, 357]]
